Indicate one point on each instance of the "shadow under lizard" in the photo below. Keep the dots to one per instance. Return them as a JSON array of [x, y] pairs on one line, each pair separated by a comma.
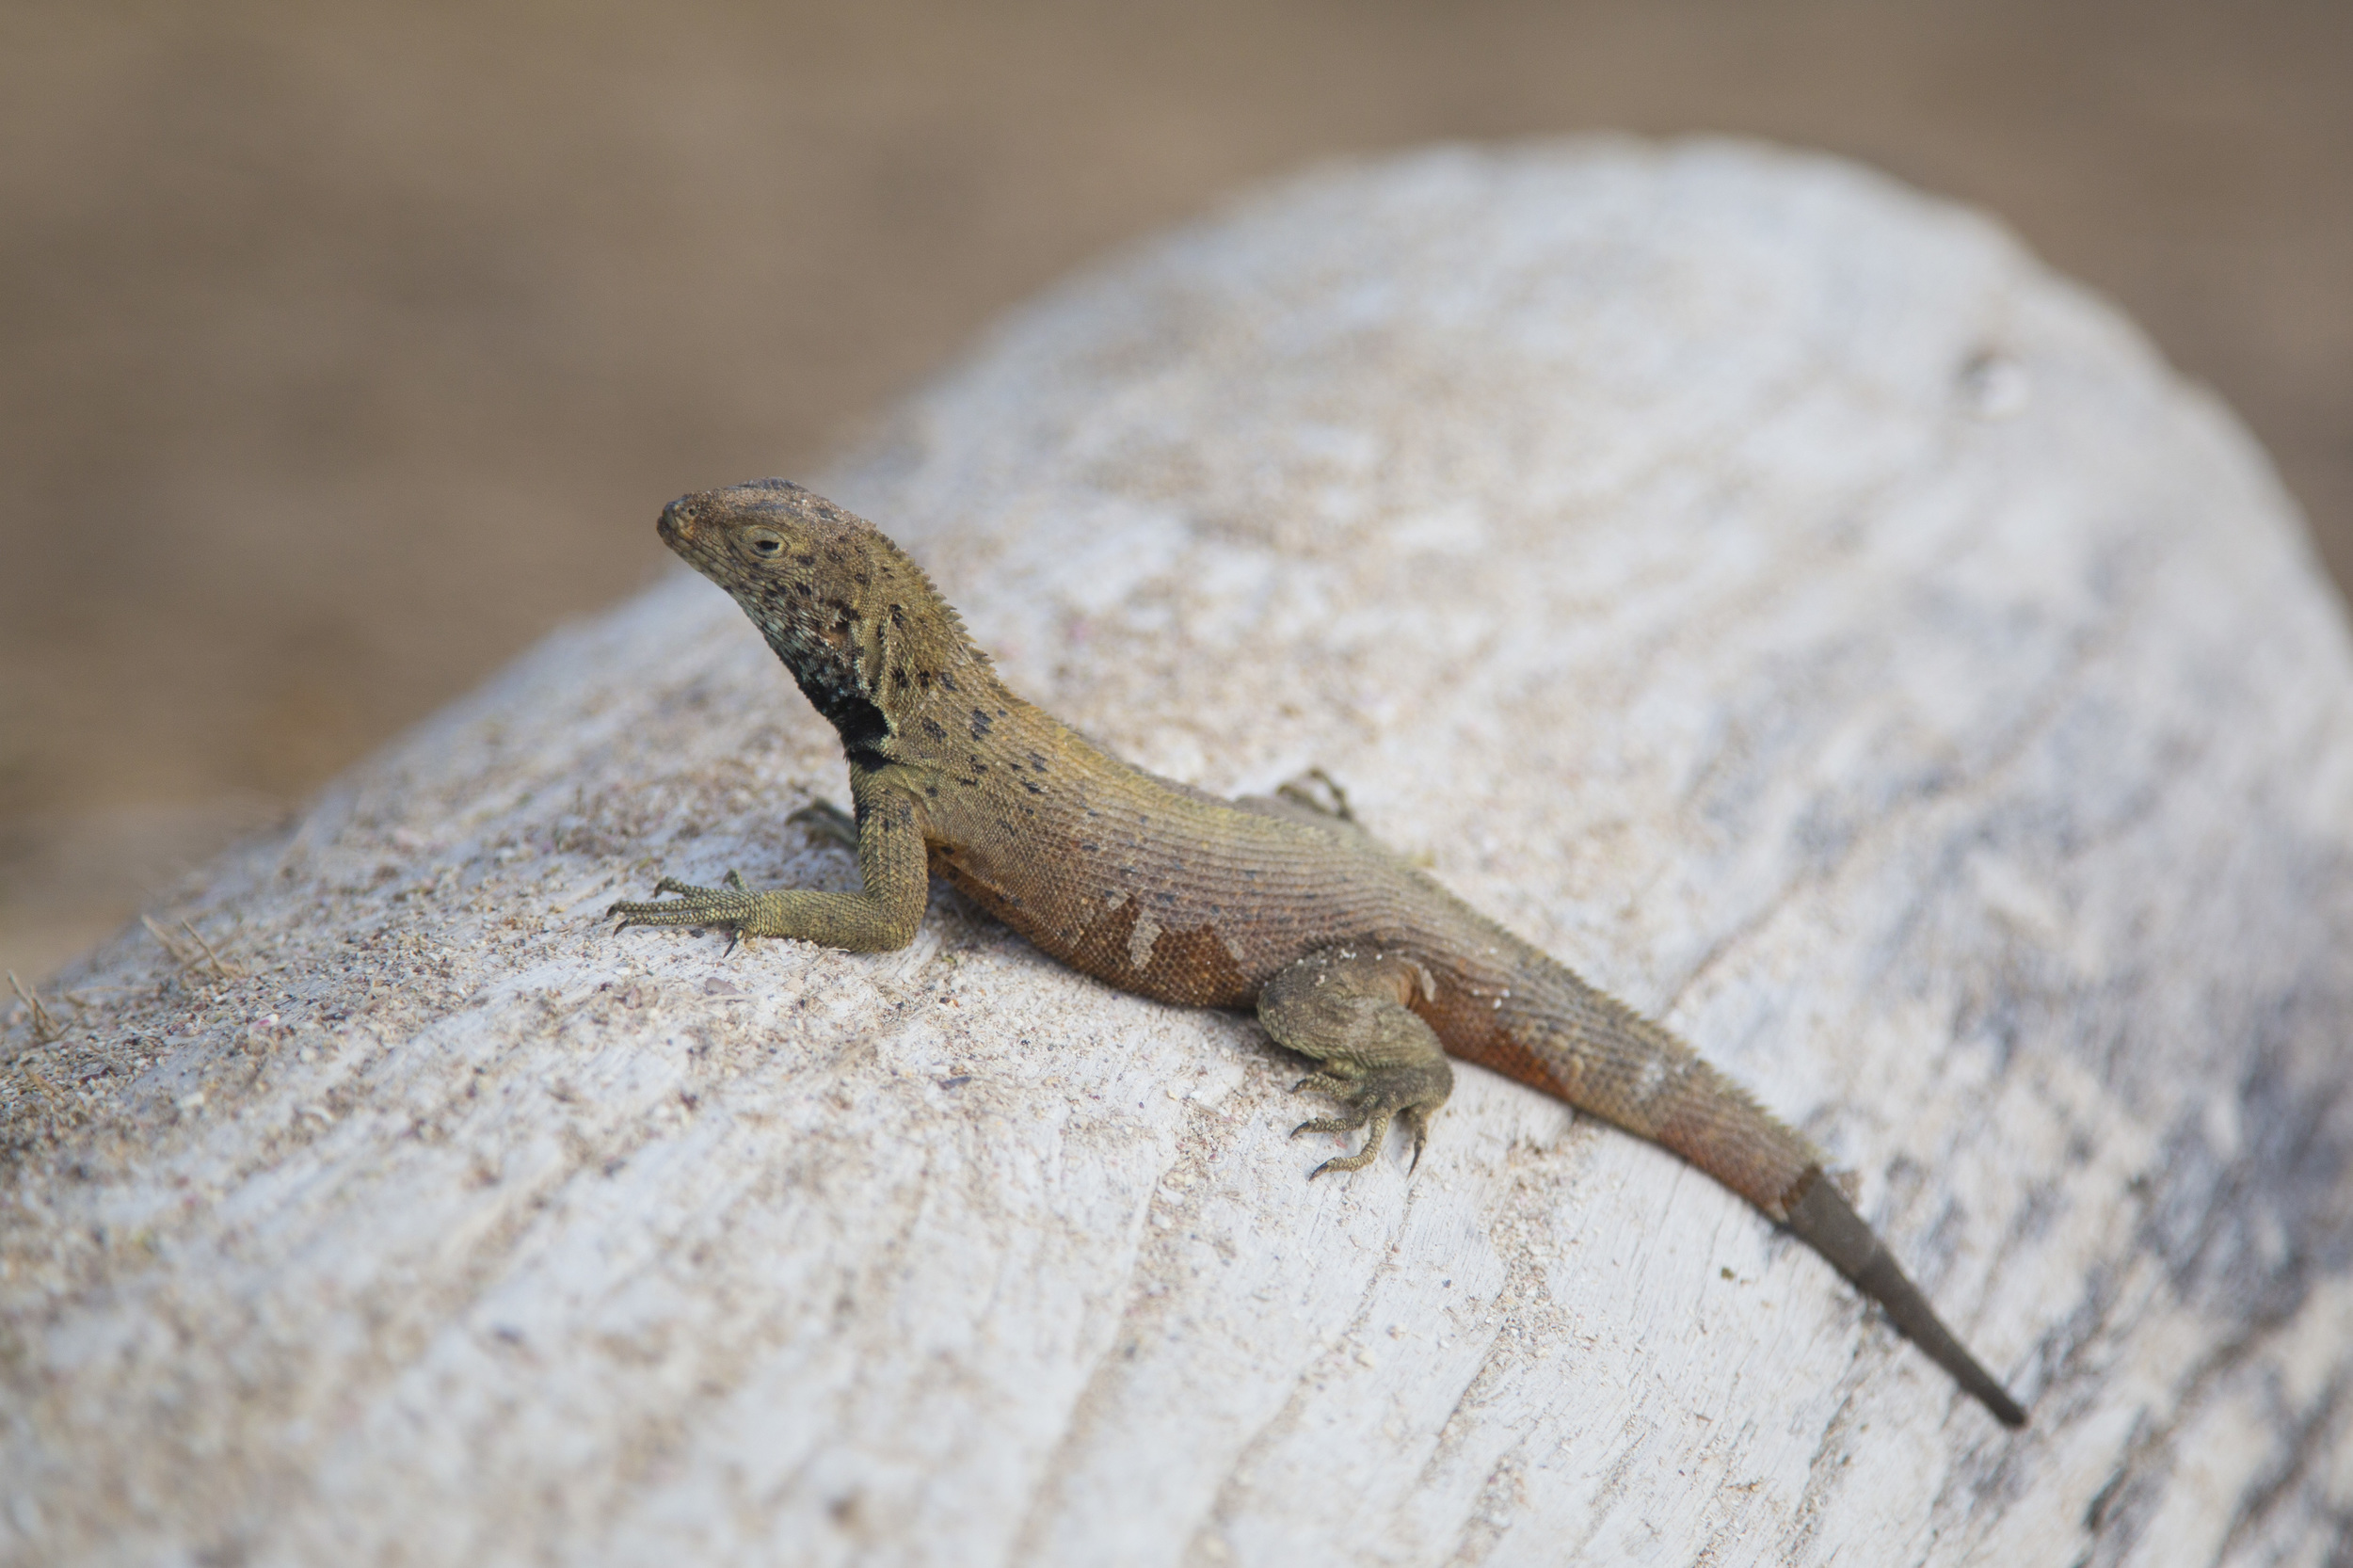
[[1350, 954]]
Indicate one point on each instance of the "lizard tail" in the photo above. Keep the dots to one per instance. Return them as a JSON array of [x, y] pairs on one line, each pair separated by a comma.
[[1820, 1217], [1603, 1057]]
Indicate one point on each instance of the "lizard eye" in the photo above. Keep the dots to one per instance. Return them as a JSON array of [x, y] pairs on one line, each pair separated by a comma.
[[763, 544]]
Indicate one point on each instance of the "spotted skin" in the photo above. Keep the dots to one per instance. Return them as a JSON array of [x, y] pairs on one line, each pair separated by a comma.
[[1350, 955]]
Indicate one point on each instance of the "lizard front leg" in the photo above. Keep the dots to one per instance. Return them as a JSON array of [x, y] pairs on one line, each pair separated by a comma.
[[1348, 1008], [892, 863]]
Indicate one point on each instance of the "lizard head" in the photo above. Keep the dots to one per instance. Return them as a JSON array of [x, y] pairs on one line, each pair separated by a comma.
[[858, 623]]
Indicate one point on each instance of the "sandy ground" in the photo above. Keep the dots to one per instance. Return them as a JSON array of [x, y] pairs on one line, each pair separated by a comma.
[[346, 349]]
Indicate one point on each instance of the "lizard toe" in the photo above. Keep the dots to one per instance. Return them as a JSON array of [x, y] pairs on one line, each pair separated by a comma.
[[1408, 1091], [1364, 1157], [692, 906]]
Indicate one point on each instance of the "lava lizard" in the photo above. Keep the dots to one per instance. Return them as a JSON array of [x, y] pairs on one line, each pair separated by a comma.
[[1351, 955]]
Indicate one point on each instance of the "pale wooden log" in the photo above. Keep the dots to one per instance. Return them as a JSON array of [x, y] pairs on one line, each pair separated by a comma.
[[1768, 590]]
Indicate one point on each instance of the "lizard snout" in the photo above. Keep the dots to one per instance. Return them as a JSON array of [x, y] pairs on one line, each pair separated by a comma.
[[676, 525]]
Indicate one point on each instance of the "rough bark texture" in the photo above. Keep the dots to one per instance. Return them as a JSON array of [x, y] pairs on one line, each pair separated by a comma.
[[1769, 591]]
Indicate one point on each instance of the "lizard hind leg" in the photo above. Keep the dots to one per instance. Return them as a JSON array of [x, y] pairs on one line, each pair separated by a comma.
[[1347, 1008]]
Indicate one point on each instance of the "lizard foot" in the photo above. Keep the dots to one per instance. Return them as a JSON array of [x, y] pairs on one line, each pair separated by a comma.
[[827, 821], [1347, 1007], [1407, 1092], [1319, 791], [730, 908]]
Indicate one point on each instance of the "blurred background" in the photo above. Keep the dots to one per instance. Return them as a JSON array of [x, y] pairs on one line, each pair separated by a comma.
[[344, 348]]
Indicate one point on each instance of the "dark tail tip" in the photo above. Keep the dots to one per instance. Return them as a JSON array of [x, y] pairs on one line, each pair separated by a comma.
[[1823, 1220]]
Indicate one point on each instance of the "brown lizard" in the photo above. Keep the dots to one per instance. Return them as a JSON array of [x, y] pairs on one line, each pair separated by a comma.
[[1350, 954]]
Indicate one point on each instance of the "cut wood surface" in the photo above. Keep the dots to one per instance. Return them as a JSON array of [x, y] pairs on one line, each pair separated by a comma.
[[1767, 590]]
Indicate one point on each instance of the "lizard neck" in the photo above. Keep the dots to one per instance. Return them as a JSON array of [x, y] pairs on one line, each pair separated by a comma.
[[872, 646], [921, 714], [864, 726]]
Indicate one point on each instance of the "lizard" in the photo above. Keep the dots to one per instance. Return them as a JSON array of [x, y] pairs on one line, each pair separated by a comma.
[[1350, 954]]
